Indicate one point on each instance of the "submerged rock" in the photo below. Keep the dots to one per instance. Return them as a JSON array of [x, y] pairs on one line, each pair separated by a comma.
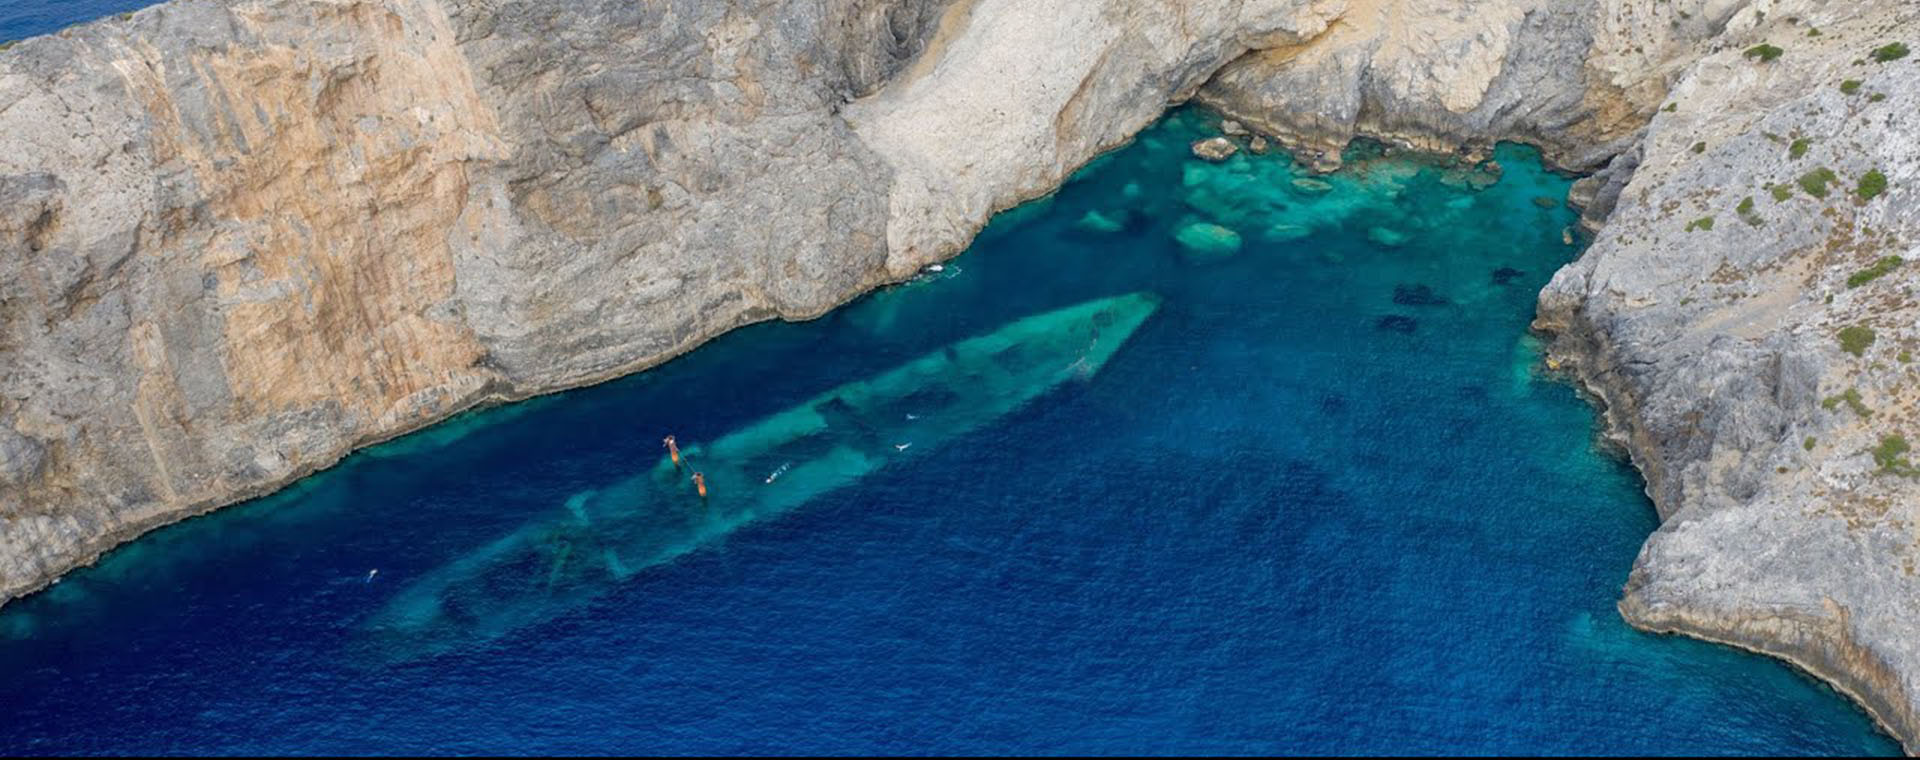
[[1311, 186], [1286, 233], [1417, 295], [1399, 323], [1214, 149], [1095, 221], [1505, 275], [1257, 145], [1206, 241], [1388, 237]]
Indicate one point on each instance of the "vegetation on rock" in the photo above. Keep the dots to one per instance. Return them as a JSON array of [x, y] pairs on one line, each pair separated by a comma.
[[1891, 51], [1872, 184], [1851, 397], [1891, 455], [1815, 182], [1854, 339], [1879, 269], [1765, 53]]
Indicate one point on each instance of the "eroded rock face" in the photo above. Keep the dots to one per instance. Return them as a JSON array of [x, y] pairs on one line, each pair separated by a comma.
[[239, 239], [1577, 77], [1707, 316], [224, 258]]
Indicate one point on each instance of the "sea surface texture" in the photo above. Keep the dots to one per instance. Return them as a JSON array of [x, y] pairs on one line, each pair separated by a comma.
[[1324, 499], [20, 19]]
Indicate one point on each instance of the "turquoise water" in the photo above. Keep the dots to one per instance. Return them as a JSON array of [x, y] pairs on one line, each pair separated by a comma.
[[1323, 500]]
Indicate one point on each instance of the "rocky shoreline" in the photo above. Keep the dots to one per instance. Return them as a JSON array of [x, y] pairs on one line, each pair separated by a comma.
[[240, 240]]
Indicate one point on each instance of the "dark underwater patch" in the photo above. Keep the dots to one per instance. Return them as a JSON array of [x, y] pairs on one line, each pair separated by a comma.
[[1417, 295], [1399, 323]]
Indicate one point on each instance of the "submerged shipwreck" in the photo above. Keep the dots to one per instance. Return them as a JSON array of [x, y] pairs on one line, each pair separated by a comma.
[[600, 538]]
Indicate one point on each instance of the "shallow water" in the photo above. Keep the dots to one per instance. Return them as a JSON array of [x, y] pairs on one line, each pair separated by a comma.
[[1323, 501]]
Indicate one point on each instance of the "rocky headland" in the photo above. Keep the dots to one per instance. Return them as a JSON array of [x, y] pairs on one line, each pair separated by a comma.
[[240, 239]]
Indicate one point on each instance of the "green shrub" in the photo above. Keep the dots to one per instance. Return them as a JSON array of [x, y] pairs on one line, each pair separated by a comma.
[[1851, 398], [1814, 32], [1765, 53], [1879, 269], [1810, 443], [1872, 184], [1700, 147], [1850, 86], [1780, 192], [1671, 107], [1876, 97], [1745, 210], [1703, 223], [1815, 182], [1799, 148], [1905, 357], [1891, 455], [1855, 339], [1892, 51]]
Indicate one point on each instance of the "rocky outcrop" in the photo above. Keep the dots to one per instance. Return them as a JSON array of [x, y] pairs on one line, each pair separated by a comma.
[[1708, 318], [240, 238], [1577, 78]]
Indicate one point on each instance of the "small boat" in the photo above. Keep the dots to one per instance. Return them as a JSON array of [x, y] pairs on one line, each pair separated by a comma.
[[602, 537]]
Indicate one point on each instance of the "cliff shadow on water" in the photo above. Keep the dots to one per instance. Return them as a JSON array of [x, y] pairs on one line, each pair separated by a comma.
[[1325, 499]]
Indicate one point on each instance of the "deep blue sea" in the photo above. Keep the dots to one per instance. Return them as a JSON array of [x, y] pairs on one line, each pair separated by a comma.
[[1325, 501], [20, 19]]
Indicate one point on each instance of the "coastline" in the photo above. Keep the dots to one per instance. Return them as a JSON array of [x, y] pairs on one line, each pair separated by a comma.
[[936, 201], [1853, 672]]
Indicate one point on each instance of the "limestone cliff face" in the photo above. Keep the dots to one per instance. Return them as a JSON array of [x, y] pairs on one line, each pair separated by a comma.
[[224, 259], [239, 238], [1707, 316], [1577, 77]]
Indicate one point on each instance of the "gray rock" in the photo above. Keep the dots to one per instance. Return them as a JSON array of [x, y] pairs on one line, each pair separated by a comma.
[[1214, 149], [1715, 355]]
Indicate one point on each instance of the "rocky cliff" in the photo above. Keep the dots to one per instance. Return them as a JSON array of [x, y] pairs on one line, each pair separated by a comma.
[[239, 239], [1741, 319]]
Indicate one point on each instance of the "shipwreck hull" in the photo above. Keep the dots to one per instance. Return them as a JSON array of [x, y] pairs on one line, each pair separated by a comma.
[[600, 538]]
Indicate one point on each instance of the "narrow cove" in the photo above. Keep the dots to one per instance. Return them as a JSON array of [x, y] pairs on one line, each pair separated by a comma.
[[1323, 500]]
